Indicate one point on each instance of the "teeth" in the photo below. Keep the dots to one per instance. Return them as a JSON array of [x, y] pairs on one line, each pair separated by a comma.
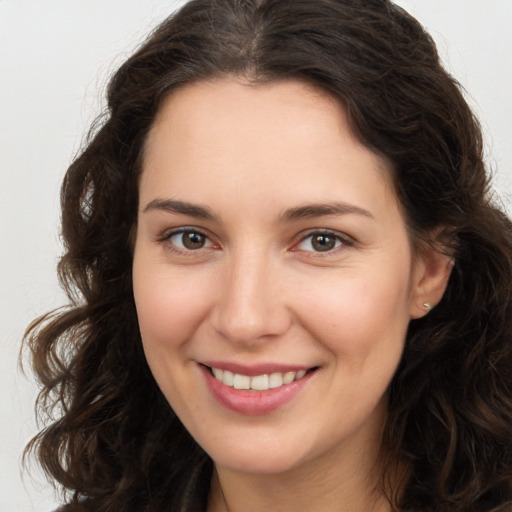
[[228, 378], [288, 377], [275, 380], [258, 382], [241, 381]]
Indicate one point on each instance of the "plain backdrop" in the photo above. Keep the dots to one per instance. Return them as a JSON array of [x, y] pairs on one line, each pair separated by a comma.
[[55, 59]]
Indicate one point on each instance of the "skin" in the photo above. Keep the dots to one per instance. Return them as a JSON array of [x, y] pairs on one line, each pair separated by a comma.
[[259, 291]]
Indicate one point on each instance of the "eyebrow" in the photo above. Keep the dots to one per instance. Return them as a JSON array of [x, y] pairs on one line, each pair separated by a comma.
[[291, 215], [322, 209], [182, 207]]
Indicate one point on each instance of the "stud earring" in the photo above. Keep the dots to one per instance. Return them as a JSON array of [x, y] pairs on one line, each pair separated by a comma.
[[427, 306]]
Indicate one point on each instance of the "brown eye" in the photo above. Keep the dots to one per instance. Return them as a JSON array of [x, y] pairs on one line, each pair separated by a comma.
[[189, 240], [192, 240], [323, 242]]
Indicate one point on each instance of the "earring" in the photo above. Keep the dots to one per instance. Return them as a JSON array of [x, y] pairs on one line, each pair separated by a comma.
[[427, 306]]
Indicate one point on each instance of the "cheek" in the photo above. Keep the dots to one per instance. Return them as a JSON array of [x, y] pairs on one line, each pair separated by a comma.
[[169, 308], [359, 311]]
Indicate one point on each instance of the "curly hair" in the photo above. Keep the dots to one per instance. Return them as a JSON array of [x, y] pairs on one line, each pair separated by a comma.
[[112, 441]]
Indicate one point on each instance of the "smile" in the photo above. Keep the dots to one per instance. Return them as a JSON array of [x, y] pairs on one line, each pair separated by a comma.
[[257, 389], [258, 382]]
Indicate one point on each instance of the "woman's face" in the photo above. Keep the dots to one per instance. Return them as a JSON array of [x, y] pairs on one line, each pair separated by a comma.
[[271, 253]]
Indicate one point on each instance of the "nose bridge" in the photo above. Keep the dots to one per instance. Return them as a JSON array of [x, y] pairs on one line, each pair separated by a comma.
[[251, 306]]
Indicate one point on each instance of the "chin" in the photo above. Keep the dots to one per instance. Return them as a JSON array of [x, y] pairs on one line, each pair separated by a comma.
[[262, 464], [260, 457]]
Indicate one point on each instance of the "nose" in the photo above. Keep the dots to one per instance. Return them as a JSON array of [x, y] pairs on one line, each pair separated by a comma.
[[252, 306]]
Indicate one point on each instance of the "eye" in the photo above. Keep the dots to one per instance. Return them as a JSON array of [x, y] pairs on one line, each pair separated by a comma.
[[188, 240], [321, 241]]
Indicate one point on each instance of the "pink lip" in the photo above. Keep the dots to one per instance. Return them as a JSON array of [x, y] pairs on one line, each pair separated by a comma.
[[253, 403]]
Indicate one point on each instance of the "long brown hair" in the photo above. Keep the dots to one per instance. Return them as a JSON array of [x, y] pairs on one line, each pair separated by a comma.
[[112, 441]]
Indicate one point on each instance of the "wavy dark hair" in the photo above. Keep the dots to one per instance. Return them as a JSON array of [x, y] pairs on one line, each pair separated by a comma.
[[112, 442]]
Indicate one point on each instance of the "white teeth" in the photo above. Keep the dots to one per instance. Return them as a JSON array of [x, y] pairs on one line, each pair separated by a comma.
[[258, 382], [228, 378], [288, 377], [275, 380], [241, 381]]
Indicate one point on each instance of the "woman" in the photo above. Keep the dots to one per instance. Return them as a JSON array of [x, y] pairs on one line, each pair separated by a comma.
[[290, 288]]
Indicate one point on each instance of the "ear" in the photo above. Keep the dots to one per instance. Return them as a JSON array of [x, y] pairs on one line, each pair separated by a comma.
[[431, 272]]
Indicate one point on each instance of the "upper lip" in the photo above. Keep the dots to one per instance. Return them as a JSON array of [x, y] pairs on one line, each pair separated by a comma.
[[255, 369]]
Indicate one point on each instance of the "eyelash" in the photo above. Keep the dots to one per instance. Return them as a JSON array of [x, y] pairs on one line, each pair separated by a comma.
[[341, 241]]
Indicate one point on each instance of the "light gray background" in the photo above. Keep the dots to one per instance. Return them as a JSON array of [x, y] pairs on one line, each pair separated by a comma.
[[55, 57]]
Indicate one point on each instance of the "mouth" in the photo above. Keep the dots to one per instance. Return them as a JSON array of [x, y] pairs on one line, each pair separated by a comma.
[[262, 382], [257, 389]]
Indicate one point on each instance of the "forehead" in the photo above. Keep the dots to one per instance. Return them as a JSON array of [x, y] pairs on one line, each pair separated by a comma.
[[238, 135]]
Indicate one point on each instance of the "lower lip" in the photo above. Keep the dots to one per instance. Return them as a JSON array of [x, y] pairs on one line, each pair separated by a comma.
[[253, 403]]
